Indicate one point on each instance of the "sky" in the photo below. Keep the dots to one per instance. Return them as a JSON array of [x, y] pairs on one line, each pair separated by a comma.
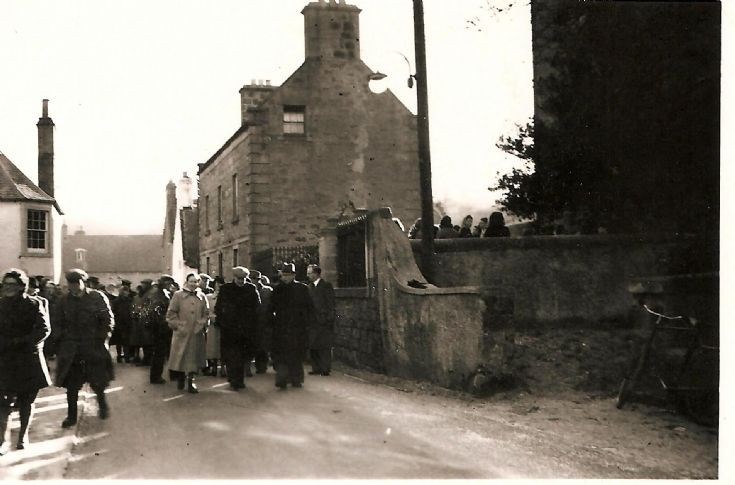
[[142, 91]]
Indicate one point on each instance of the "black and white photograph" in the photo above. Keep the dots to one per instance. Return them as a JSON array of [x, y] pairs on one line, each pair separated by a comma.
[[364, 239]]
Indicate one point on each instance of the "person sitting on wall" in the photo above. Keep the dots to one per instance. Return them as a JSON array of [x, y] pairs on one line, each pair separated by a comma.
[[466, 229], [496, 226], [446, 230], [479, 229]]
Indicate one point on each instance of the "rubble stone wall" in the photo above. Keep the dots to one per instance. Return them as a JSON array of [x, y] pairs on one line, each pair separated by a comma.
[[358, 338]]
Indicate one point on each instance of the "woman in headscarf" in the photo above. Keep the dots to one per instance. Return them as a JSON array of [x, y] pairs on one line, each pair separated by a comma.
[[188, 317], [24, 325]]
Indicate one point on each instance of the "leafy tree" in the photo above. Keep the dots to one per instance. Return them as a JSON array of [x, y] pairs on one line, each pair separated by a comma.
[[518, 186]]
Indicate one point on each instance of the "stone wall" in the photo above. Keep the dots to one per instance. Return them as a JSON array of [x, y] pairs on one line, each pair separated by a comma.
[[358, 336], [555, 279]]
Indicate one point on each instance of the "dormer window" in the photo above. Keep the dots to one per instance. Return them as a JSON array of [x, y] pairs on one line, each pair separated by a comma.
[[293, 120], [80, 255]]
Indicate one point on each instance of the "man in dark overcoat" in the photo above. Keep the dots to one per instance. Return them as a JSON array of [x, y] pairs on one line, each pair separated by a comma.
[[122, 308], [263, 332], [158, 327], [85, 324], [321, 333], [293, 312], [237, 318], [24, 325]]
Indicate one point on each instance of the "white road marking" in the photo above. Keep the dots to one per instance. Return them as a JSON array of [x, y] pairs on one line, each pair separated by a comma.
[[172, 398]]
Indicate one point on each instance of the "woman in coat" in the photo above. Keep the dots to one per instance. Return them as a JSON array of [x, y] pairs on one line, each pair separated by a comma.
[[188, 317], [213, 335], [24, 325]]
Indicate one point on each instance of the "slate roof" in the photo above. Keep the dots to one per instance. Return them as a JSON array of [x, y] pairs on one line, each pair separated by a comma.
[[15, 186], [115, 254]]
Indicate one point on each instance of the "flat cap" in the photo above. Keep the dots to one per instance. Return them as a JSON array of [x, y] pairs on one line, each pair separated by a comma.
[[240, 272], [74, 275]]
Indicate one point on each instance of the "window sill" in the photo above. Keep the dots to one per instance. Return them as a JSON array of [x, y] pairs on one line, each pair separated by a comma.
[[31, 254]]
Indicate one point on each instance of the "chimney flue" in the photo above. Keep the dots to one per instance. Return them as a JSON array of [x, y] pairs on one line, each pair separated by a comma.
[[46, 151]]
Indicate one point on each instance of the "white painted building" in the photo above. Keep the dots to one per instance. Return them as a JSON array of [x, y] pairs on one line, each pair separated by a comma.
[[30, 218]]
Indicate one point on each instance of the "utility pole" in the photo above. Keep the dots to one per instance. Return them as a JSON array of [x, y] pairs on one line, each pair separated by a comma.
[[427, 206]]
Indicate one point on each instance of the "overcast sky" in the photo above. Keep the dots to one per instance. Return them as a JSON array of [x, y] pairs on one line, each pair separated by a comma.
[[141, 91]]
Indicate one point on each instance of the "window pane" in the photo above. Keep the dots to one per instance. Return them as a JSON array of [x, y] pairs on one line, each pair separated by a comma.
[[36, 230], [293, 128]]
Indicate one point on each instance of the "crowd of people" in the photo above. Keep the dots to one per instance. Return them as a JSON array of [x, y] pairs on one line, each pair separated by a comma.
[[494, 226], [208, 326]]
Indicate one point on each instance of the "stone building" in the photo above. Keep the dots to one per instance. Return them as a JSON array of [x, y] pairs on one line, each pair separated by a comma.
[[112, 258], [322, 145], [31, 219]]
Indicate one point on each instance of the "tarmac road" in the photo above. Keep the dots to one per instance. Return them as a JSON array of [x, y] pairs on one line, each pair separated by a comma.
[[347, 428]]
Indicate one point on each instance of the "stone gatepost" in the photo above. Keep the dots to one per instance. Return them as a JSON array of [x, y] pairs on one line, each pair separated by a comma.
[[328, 251]]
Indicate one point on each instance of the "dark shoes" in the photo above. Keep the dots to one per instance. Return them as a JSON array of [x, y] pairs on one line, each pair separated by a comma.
[[68, 422], [22, 443], [297, 384], [281, 386], [325, 373], [237, 387], [314, 373], [158, 381]]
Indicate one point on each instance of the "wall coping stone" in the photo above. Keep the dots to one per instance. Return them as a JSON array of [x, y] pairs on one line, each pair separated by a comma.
[[561, 242]]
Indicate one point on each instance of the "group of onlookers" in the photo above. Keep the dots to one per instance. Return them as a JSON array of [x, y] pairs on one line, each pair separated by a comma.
[[494, 226], [205, 326]]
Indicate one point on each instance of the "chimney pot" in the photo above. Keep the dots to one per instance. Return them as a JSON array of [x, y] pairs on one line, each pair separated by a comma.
[[252, 82], [267, 82], [260, 82], [44, 111]]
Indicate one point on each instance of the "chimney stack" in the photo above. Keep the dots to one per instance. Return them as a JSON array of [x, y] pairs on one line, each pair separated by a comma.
[[46, 151], [183, 192], [331, 30]]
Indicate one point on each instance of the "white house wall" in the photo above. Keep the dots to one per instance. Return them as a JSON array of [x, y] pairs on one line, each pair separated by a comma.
[[10, 219]]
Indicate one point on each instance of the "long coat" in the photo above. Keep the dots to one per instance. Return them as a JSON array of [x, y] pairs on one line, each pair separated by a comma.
[[24, 325], [85, 324], [140, 334], [122, 308], [213, 334], [293, 312], [237, 316], [264, 331], [188, 317], [321, 332]]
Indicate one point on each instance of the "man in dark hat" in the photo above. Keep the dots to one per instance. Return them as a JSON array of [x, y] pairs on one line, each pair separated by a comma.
[[236, 310], [293, 312], [160, 331], [85, 323]]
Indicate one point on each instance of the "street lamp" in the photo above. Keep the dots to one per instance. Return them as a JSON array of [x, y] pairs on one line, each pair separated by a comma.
[[427, 209]]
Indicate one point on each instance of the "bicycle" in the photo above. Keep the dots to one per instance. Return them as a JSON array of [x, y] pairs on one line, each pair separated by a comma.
[[695, 385]]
